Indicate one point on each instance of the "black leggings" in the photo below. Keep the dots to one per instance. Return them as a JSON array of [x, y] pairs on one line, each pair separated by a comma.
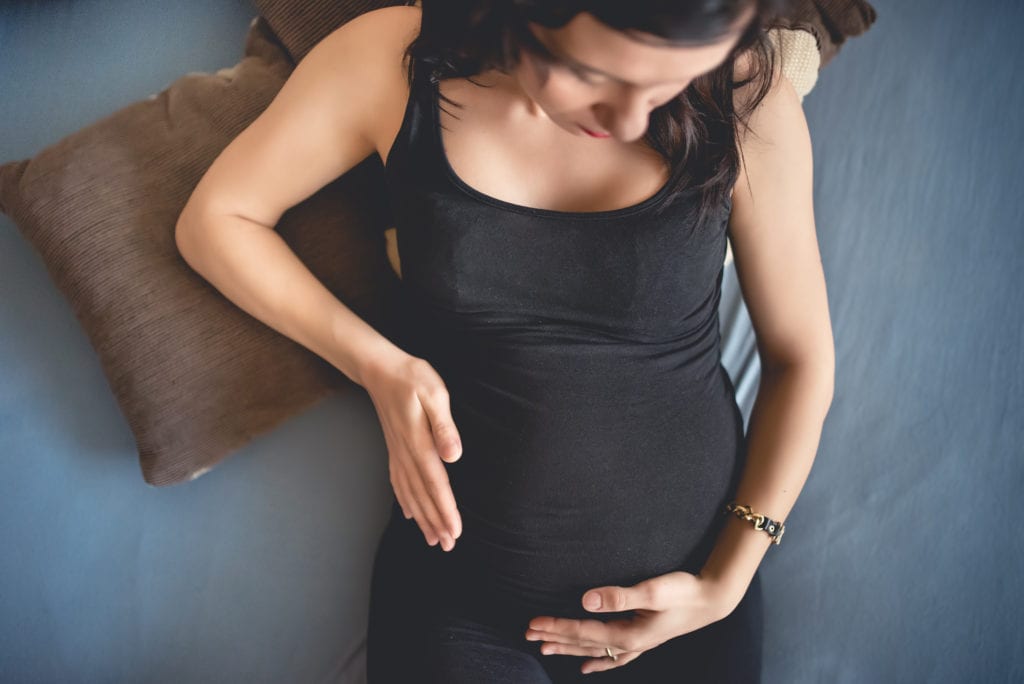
[[420, 631]]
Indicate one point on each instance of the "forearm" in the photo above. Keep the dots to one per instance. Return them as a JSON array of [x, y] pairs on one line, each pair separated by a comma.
[[782, 441], [255, 268]]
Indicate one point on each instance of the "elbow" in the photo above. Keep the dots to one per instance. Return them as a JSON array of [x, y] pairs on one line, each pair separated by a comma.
[[179, 238], [184, 234], [829, 384], [817, 370], [179, 230], [827, 368]]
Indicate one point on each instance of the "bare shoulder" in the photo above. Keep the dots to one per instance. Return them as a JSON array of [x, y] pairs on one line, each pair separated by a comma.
[[773, 235], [373, 41], [780, 100], [777, 126], [321, 123], [382, 28], [378, 39]]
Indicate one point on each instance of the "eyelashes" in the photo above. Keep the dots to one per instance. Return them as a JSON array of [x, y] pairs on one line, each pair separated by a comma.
[[580, 75], [542, 52]]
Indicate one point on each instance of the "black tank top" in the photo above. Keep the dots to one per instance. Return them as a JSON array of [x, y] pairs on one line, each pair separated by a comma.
[[581, 351]]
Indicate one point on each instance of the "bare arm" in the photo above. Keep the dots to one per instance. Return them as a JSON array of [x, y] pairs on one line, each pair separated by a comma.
[[317, 128], [320, 125], [780, 273]]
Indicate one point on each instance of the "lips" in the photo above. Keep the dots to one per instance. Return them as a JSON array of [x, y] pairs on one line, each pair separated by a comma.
[[595, 135]]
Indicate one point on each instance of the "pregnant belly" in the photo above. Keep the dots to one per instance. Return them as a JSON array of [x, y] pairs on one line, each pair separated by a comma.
[[609, 477]]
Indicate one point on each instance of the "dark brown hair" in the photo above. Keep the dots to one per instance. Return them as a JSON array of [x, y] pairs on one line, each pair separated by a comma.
[[695, 132]]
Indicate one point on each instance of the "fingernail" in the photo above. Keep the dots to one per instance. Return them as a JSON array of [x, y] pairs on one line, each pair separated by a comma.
[[592, 601]]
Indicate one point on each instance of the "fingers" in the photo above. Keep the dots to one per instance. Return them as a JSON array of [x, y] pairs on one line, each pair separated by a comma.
[[577, 631], [437, 406], [420, 480], [577, 650], [557, 639], [416, 503], [444, 444], [586, 638], [583, 633], [605, 663], [427, 492], [422, 436], [411, 508], [598, 654]]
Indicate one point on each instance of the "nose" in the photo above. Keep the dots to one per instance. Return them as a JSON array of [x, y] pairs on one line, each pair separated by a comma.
[[628, 115]]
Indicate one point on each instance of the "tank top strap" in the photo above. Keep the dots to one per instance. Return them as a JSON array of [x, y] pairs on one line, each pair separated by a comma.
[[413, 152], [422, 77]]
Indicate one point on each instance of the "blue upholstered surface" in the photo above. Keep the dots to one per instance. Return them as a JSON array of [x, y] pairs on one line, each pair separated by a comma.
[[902, 557]]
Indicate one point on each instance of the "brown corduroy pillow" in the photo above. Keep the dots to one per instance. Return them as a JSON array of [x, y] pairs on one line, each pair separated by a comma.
[[195, 376], [830, 21], [301, 24]]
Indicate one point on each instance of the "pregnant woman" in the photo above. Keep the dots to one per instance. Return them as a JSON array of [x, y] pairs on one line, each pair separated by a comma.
[[564, 176]]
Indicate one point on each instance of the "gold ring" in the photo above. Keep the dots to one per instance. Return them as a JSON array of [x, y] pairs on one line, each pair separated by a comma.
[[609, 652]]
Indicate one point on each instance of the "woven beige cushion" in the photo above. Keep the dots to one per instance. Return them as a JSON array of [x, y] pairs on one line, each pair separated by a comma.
[[798, 51]]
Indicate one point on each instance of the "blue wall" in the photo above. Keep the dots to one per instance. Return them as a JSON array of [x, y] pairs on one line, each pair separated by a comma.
[[905, 563]]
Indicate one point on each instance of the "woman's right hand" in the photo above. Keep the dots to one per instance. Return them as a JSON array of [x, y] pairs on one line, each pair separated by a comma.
[[414, 409]]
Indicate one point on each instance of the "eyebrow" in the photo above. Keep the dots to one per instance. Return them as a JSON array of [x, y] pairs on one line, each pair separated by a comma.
[[558, 53]]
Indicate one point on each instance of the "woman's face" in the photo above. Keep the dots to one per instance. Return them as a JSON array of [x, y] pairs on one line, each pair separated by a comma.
[[637, 77]]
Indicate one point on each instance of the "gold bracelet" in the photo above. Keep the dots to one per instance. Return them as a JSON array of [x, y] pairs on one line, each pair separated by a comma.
[[773, 528]]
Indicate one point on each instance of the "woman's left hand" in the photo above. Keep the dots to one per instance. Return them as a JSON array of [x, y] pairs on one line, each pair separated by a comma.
[[665, 607]]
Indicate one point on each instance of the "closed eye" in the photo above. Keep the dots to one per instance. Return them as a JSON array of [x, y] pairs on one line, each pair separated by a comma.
[[541, 50], [580, 74]]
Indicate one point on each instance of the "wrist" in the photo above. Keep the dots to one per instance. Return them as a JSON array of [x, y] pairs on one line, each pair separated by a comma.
[[734, 559], [725, 592], [377, 361]]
